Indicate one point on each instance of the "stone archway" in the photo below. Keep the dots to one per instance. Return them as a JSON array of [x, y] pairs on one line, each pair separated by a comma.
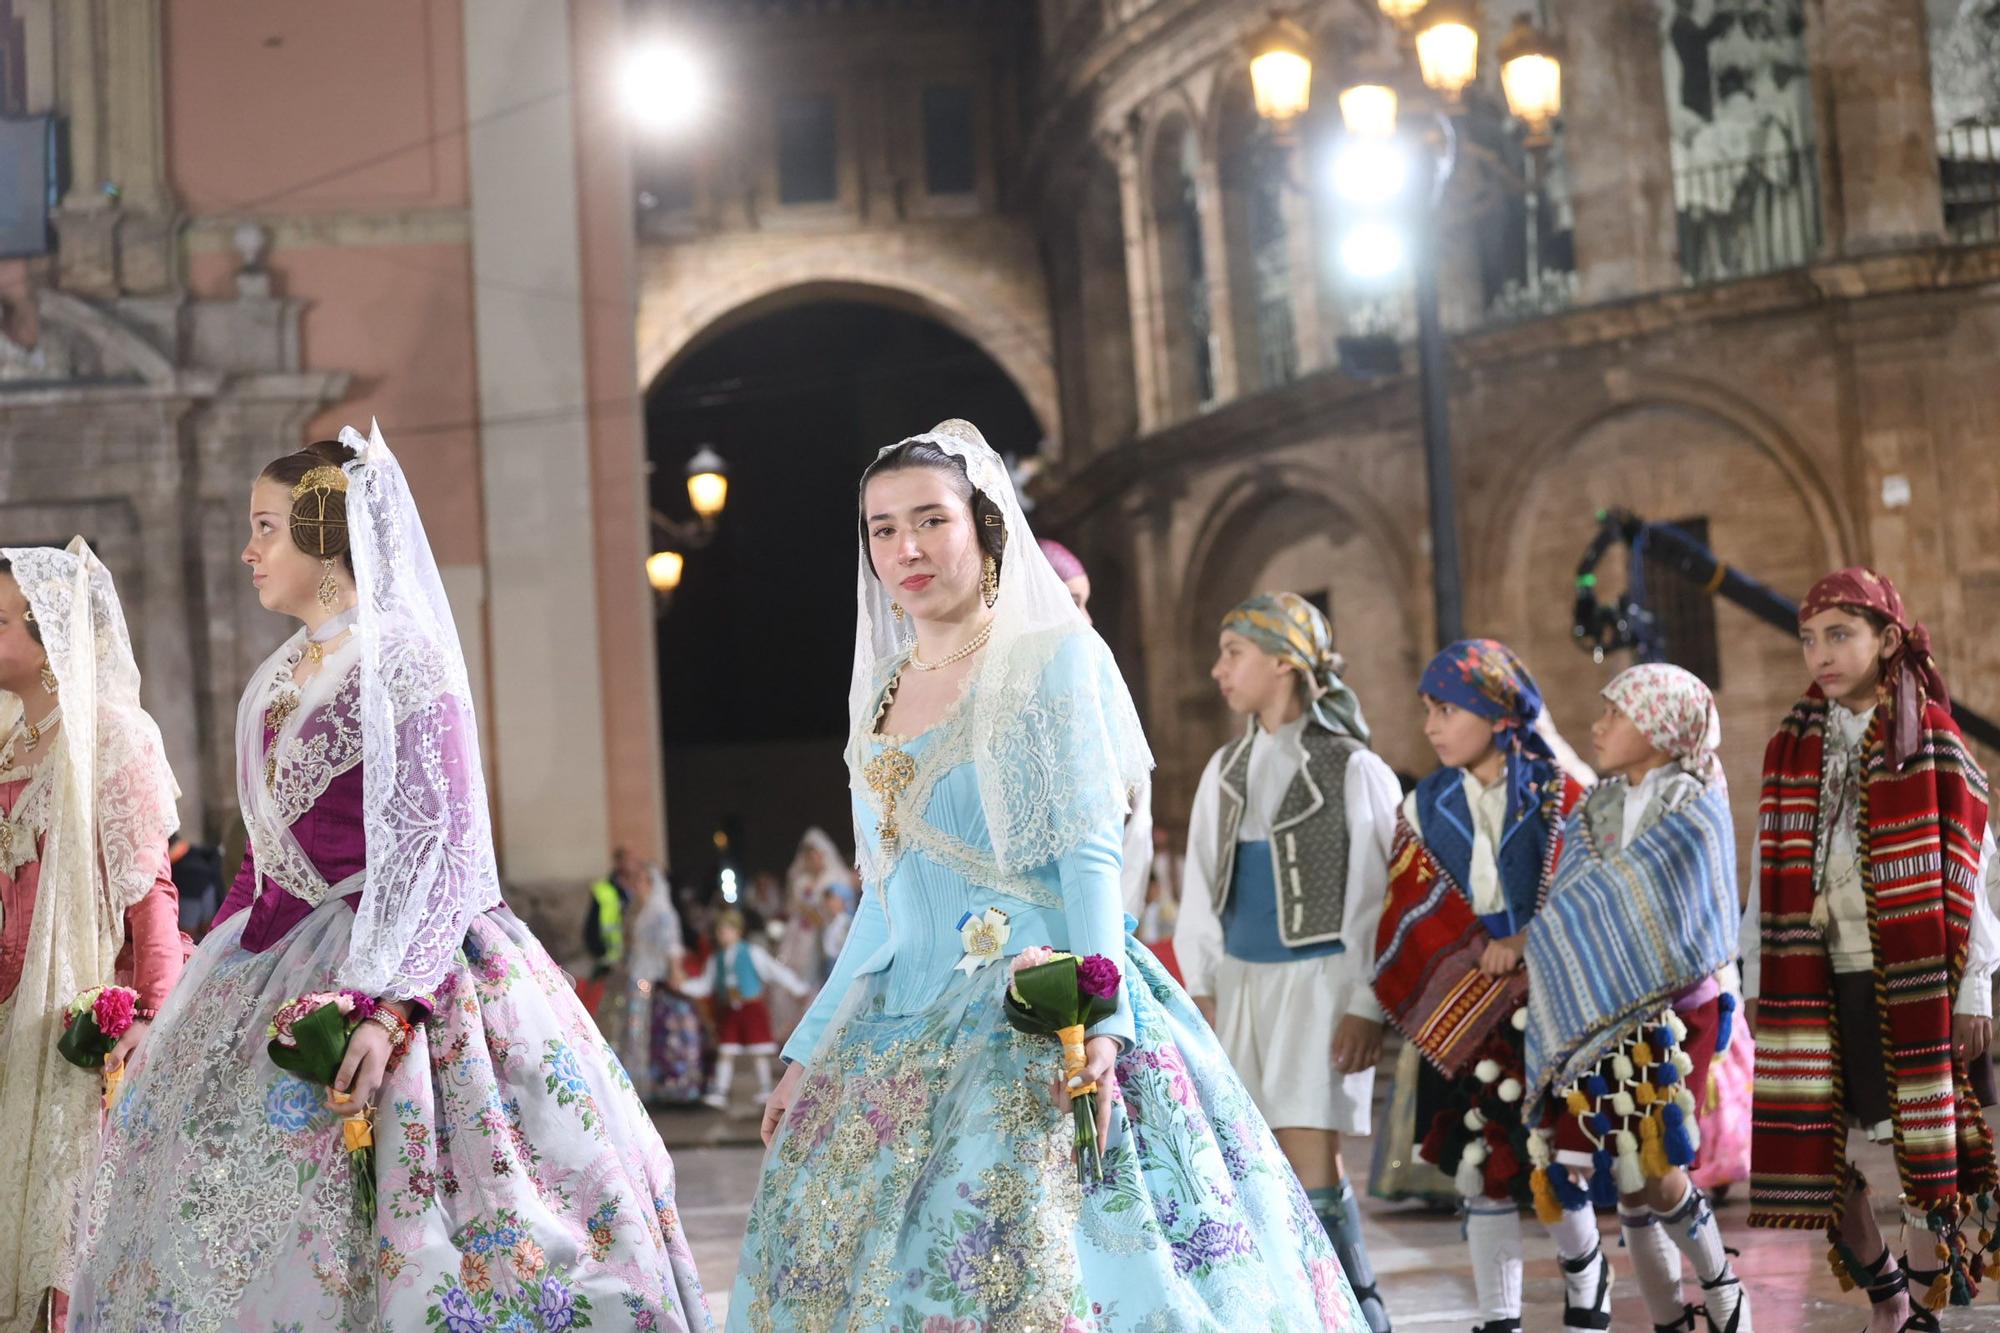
[[991, 292], [1287, 531], [1667, 461]]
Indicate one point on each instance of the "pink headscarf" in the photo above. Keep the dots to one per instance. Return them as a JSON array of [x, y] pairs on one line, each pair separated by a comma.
[[1067, 566], [1675, 711]]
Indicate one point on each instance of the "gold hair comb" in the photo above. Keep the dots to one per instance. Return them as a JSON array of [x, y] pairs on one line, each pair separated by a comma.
[[322, 478]]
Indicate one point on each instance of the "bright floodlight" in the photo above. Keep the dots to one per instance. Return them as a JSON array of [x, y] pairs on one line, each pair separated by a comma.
[[1368, 110], [662, 86], [1372, 250], [1370, 171]]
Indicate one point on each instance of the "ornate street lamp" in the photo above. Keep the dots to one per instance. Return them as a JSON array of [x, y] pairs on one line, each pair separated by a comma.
[[707, 483], [1445, 34], [1448, 45], [1281, 73], [663, 571], [1531, 76], [708, 495]]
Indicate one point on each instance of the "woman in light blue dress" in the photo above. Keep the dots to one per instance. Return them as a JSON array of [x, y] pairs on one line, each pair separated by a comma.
[[920, 1174]]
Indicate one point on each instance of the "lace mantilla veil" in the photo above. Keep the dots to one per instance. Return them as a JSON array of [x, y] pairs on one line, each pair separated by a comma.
[[430, 862], [1058, 753], [110, 813]]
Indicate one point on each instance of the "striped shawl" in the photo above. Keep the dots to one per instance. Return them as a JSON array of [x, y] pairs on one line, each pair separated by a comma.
[[1624, 930], [1428, 946]]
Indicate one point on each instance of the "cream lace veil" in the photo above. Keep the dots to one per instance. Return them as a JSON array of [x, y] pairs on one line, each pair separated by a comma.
[[110, 814], [1055, 740]]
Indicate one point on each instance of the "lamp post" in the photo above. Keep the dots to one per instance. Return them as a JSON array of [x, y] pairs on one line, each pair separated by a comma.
[[1445, 38], [708, 494]]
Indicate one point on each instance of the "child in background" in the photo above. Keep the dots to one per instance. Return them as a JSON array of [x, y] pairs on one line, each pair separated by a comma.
[[735, 978]]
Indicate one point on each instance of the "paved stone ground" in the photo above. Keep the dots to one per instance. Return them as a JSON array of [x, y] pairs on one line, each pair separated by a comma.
[[1419, 1255]]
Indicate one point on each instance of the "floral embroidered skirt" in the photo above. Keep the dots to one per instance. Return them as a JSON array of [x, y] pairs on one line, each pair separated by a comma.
[[923, 1182], [521, 1186]]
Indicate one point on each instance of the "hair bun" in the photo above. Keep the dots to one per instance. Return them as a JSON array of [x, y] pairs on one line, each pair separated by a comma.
[[316, 480]]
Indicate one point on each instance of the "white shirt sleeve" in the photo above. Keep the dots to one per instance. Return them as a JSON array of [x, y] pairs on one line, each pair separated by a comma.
[[1198, 933], [1137, 872], [1372, 795], [1750, 934], [770, 969], [1982, 948]]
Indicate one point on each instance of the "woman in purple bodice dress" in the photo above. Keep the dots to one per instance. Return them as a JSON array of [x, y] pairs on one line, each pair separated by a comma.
[[519, 1182]]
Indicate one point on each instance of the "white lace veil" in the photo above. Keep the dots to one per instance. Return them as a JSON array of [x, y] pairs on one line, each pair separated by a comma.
[[430, 866], [110, 815], [1058, 753]]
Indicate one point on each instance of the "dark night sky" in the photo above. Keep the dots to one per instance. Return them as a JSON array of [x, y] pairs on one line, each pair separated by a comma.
[[759, 640]]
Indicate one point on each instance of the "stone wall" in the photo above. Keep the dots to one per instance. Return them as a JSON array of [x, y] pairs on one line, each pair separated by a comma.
[[1752, 406]]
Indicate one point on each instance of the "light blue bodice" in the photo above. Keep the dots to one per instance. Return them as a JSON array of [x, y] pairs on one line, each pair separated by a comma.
[[907, 926]]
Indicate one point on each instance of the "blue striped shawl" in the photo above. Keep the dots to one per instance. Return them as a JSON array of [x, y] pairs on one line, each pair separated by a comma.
[[1625, 930]]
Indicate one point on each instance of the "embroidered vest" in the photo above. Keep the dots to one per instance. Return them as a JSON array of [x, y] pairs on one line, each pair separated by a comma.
[[1308, 836], [1446, 820]]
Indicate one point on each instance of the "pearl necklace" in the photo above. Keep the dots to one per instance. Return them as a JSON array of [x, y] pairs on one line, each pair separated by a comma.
[[972, 646]]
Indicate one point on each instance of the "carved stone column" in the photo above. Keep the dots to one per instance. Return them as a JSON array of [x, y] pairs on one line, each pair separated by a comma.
[[1873, 61], [1615, 144]]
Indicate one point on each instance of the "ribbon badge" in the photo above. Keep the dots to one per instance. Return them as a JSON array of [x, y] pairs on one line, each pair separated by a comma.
[[985, 937]]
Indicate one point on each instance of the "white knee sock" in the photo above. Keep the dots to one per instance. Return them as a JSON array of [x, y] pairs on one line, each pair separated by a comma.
[[725, 1074], [1493, 1231], [1576, 1238], [1691, 1225], [763, 1075], [1656, 1263], [1576, 1235]]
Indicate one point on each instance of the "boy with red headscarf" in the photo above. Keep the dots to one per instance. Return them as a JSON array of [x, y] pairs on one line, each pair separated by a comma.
[[1877, 948]]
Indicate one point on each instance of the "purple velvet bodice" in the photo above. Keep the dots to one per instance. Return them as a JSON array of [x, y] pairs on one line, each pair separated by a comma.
[[332, 837]]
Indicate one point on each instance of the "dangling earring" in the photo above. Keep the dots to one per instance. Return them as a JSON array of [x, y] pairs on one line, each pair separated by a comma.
[[329, 591], [49, 682], [989, 588], [896, 610]]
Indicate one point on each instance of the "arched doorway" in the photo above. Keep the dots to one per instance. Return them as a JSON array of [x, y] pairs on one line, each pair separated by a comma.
[[1669, 462], [1281, 532], [757, 644]]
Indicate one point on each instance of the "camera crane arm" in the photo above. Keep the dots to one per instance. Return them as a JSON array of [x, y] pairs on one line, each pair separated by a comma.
[[1627, 623]]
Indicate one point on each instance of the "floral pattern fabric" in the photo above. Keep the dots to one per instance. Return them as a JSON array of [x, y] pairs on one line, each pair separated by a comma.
[[521, 1188], [1676, 712], [923, 1182]]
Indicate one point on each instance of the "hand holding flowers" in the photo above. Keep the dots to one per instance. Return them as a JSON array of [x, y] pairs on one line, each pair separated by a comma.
[[1057, 994], [98, 1024], [334, 1039]]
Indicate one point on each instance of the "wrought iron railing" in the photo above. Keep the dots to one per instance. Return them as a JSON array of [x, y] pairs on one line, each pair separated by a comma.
[[1969, 171], [1740, 219], [1529, 265]]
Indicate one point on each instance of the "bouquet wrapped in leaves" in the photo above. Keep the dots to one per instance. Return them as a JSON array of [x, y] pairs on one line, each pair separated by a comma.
[[1053, 994], [92, 1024], [308, 1037]]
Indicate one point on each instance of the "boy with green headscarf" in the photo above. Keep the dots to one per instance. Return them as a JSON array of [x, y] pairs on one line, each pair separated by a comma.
[[1287, 864]]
